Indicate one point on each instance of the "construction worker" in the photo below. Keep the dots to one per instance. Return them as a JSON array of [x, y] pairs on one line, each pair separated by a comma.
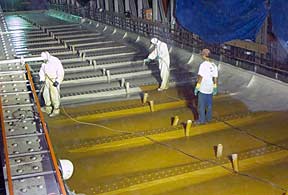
[[160, 53], [206, 87], [51, 76]]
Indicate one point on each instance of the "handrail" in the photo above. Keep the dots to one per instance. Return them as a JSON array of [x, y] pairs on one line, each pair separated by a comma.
[[5, 145], [21, 60], [54, 161]]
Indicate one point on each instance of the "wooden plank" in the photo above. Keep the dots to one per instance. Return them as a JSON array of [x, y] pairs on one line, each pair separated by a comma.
[[252, 46]]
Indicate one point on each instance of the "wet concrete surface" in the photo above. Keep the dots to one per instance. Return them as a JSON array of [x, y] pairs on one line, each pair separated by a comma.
[[159, 163]]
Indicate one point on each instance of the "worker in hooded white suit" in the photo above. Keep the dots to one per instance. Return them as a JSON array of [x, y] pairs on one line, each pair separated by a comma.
[[51, 76], [161, 54]]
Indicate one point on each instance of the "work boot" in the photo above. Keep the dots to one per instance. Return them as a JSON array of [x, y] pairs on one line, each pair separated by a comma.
[[198, 122], [47, 109], [162, 89], [55, 112]]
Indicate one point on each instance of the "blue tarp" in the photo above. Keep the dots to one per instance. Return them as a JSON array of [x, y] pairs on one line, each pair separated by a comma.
[[219, 21], [279, 15]]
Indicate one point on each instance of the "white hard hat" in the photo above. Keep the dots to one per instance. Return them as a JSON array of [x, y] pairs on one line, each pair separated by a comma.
[[45, 55], [154, 41], [67, 168]]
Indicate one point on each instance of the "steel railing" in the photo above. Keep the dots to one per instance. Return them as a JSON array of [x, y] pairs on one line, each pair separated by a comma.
[[176, 35]]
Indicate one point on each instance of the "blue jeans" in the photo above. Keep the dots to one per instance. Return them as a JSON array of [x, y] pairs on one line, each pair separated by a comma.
[[205, 107]]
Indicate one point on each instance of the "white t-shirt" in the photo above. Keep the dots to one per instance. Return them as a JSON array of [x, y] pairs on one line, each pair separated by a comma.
[[207, 71]]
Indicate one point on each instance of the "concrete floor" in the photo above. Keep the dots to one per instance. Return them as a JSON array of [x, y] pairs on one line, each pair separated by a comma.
[[110, 155]]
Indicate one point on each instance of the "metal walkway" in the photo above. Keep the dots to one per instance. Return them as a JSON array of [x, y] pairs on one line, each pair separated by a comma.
[[30, 165]]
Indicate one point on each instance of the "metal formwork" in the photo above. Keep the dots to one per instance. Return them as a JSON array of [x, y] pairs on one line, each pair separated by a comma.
[[29, 165], [88, 54]]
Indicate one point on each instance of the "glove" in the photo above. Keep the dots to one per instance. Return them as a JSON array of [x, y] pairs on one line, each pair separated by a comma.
[[42, 83], [215, 89], [196, 90], [147, 60], [55, 84]]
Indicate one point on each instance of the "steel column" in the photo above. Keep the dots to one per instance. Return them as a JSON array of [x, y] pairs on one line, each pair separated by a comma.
[[127, 5], [145, 4], [172, 18], [162, 12], [91, 7], [97, 4], [140, 8], [107, 5], [116, 6], [102, 4], [121, 8], [73, 2], [155, 10], [77, 4], [133, 9], [165, 5]]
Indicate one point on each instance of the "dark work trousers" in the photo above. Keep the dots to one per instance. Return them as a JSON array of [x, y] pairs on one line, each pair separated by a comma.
[[205, 107]]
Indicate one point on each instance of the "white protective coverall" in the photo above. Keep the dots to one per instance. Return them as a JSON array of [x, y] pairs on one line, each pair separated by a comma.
[[161, 54], [51, 71]]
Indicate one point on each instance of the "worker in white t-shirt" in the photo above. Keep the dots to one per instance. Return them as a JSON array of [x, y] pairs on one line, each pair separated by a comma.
[[206, 87]]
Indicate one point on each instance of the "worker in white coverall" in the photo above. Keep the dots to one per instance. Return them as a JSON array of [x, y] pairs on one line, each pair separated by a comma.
[[160, 53], [51, 76]]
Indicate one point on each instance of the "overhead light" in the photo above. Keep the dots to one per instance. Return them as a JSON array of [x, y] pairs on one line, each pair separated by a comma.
[[226, 47], [248, 53]]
